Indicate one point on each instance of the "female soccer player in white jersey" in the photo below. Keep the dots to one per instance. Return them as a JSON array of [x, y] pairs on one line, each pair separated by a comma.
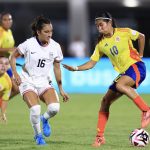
[[116, 43], [41, 53]]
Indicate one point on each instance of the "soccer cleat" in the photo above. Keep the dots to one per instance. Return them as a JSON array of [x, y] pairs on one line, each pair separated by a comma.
[[45, 126], [99, 140], [39, 139], [145, 119]]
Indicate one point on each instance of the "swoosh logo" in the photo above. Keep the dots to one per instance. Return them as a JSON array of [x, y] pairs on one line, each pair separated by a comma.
[[33, 52]]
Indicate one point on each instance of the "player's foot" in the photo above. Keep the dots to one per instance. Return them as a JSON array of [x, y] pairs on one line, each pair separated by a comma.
[[3, 119], [45, 126], [145, 119], [39, 139], [99, 140]]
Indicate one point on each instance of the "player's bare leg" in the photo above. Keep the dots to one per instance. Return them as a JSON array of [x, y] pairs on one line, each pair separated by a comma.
[[51, 99], [107, 100], [124, 85], [3, 111], [31, 99]]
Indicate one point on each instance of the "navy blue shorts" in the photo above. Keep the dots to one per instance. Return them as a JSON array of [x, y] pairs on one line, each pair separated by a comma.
[[9, 72], [136, 71]]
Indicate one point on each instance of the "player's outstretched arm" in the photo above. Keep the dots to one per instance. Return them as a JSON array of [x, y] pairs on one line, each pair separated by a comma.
[[88, 65], [70, 68]]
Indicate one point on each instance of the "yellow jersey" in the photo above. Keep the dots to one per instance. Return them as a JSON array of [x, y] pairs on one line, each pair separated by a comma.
[[5, 87], [119, 49], [6, 40]]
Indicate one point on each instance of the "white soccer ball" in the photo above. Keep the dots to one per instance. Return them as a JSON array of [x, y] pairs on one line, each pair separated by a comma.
[[139, 137]]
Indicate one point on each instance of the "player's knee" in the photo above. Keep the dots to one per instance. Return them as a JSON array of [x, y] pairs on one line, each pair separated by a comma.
[[53, 109], [35, 114], [119, 87]]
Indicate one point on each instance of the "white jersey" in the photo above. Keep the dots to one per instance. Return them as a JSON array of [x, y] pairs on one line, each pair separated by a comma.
[[39, 60]]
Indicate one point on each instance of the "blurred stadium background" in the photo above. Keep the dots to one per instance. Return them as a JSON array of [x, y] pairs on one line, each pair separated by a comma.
[[72, 18]]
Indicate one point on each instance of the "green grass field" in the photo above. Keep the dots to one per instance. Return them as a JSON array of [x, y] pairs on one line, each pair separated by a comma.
[[74, 127]]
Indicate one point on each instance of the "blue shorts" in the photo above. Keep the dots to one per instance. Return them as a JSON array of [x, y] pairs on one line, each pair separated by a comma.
[[136, 71], [9, 72]]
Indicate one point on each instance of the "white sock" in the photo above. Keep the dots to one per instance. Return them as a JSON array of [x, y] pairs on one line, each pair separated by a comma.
[[52, 110], [35, 118]]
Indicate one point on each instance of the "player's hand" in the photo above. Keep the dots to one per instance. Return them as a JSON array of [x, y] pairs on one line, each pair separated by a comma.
[[64, 95], [12, 49], [70, 68], [17, 79]]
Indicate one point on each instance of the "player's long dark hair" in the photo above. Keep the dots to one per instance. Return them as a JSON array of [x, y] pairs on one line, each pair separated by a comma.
[[38, 24], [105, 16]]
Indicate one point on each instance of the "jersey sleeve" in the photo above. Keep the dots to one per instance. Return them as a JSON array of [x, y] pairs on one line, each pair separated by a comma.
[[22, 48], [58, 54], [97, 54], [133, 34]]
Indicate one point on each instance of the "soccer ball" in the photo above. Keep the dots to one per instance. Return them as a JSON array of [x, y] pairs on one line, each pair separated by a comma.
[[139, 137]]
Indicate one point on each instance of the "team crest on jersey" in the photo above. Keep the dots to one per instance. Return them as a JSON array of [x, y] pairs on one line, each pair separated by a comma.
[[133, 32], [117, 39]]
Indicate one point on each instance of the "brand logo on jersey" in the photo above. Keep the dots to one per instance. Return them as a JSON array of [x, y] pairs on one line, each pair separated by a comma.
[[117, 39], [33, 52], [25, 87], [106, 44]]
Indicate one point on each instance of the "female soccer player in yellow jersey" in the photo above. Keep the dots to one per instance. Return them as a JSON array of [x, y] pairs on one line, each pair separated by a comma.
[[116, 43], [5, 87], [7, 43]]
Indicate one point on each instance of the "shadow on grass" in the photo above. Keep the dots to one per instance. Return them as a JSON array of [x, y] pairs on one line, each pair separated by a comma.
[[24, 144], [66, 143], [28, 144]]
